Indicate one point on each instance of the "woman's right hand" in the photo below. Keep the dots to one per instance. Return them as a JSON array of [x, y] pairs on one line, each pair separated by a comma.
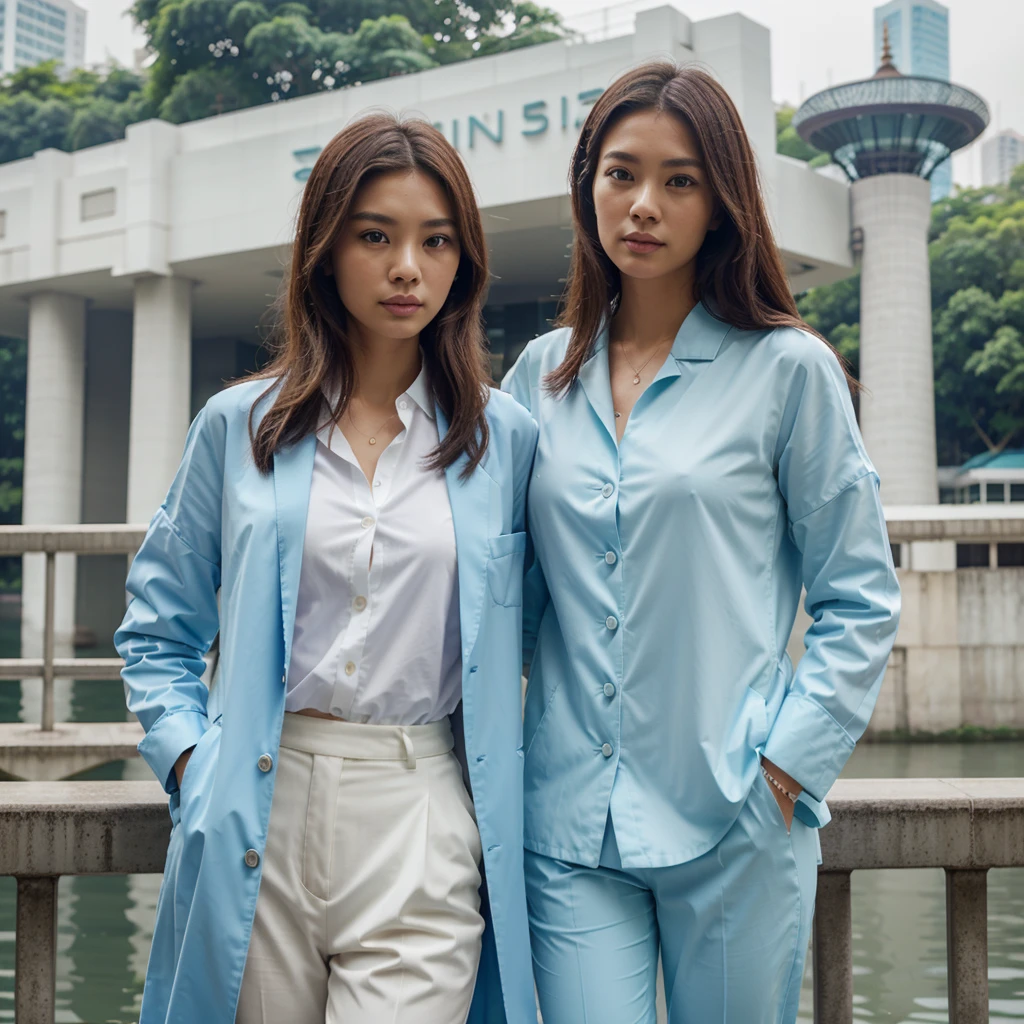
[[179, 765]]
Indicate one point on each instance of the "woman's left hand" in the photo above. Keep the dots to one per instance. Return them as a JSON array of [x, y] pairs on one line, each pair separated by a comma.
[[788, 782]]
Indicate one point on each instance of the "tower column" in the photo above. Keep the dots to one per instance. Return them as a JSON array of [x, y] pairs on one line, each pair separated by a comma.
[[897, 406], [161, 388], [54, 417]]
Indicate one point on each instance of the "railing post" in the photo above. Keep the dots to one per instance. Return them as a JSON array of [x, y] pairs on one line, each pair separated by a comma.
[[35, 957], [48, 640], [833, 950], [967, 945]]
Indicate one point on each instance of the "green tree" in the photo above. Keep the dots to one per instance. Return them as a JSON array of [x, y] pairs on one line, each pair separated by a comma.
[[13, 355], [789, 143]]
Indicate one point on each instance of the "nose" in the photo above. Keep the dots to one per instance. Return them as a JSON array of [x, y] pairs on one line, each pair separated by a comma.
[[644, 206], [406, 264]]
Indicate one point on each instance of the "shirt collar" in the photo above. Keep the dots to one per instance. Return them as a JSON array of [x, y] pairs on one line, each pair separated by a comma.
[[699, 338], [419, 391]]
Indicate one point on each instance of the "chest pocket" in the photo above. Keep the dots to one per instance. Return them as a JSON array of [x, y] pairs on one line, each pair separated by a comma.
[[505, 569]]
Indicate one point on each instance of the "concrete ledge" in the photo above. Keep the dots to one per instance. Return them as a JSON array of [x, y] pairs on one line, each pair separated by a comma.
[[974, 524], [28, 752], [82, 539], [82, 828], [921, 823]]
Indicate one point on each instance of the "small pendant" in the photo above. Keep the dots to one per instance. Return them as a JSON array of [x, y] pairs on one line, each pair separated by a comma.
[[373, 440], [636, 379]]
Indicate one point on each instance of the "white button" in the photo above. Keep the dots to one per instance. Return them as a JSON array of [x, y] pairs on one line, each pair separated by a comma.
[[611, 622], [367, 522], [607, 750], [252, 858], [610, 557], [376, 483], [607, 490], [350, 667], [403, 405], [609, 689], [265, 763], [359, 603], [282, 677]]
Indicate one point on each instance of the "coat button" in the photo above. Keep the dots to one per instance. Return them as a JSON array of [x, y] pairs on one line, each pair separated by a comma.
[[611, 622], [252, 858], [607, 490], [265, 763], [607, 750], [609, 689], [611, 558]]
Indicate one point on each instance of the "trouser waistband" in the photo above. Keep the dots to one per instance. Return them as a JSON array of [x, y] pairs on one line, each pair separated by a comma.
[[332, 738]]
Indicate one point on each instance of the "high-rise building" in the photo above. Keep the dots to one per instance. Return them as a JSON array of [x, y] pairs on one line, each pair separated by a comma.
[[1000, 156], [919, 39], [32, 31]]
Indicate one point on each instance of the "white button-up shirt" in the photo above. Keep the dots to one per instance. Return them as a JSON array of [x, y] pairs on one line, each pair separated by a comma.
[[377, 621]]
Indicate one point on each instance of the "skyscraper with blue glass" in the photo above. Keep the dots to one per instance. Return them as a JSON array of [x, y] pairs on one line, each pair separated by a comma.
[[919, 39]]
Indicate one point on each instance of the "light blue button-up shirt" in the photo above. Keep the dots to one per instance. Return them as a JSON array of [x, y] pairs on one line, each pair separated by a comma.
[[667, 573]]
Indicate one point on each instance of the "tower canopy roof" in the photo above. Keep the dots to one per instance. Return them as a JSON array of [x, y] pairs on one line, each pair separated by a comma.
[[891, 123]]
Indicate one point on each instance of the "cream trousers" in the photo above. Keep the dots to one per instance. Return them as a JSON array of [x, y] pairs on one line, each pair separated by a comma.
[[369, 904]]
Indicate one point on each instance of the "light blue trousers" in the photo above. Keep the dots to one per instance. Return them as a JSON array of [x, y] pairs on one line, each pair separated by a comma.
[[732, 927]]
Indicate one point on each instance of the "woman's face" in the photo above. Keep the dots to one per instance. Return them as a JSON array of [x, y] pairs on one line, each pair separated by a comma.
[[651, 194], [396, 255]]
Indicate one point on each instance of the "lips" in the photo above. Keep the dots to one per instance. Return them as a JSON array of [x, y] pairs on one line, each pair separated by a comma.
[[402, 305], [641, 243]]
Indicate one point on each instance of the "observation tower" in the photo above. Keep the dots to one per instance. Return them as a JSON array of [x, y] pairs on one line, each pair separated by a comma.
[[889, 133]]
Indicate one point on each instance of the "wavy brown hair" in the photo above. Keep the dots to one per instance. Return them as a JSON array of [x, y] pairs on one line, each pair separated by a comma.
[[311, 340], [739, 267]]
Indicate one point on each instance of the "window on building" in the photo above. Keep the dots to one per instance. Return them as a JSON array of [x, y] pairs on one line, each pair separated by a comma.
[[995, 492], [101, 203], [972, 556], [1016, 492], [896, 550], [947, 495], [973, 494], [1010, 555]]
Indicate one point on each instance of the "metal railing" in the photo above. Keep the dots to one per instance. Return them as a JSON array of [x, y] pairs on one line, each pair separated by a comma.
[[53, 540], [963, 825]]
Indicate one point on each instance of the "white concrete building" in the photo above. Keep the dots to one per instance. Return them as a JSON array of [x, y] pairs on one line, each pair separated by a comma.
[[141, 270], [32, 31], [1001, 154]]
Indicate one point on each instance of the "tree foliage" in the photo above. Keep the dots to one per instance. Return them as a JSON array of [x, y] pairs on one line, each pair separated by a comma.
[[788, 143], [976, 250]]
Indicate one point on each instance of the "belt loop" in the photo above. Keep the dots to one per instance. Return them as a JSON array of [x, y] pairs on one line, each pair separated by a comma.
[[410, 752]]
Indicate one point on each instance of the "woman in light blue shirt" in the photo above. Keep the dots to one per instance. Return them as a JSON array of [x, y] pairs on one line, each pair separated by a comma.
[[698, 462]]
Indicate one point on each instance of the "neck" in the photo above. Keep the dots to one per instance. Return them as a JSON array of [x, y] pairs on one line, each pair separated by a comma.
[[384, 367], [651, 310]]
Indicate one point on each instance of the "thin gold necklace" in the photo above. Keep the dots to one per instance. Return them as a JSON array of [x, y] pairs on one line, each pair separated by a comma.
[[372, 438], [636, 372]]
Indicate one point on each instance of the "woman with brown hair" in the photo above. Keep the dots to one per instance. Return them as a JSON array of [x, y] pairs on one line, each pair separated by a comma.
[[698, 462], [359, 507]]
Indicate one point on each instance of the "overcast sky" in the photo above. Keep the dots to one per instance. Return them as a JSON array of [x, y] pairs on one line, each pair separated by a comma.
[[815, 43]]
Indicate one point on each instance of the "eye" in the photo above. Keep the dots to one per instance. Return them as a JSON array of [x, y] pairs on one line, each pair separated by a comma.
[[616, 171], [682, 181], [374, 236], [437, 241]]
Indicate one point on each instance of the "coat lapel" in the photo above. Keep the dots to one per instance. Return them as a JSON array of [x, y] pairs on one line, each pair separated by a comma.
[[470, 503], [293, 475]]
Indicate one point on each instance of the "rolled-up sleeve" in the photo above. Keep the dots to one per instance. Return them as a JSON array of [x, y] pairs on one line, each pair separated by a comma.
[[837, 524], [172, 616]]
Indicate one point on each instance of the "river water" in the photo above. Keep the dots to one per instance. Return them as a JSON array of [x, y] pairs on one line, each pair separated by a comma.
[[105, 924]]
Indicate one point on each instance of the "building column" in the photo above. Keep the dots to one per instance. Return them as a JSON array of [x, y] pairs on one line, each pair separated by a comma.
[[161, 389], [897, 407], [52, 495]]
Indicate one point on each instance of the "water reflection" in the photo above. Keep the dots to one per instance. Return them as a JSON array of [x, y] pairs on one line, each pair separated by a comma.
[[105, 924]]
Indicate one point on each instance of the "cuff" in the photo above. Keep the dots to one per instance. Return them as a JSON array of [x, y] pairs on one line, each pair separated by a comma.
[[809, 744], [168, 739]]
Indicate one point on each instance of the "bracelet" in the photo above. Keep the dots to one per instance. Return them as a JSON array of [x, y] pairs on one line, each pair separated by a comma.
[[779, 786]]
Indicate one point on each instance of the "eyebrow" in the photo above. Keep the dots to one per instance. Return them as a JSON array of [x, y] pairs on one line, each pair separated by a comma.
[[380, 218], [679, 161]]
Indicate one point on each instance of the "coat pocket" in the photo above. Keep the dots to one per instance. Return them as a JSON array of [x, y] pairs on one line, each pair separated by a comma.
[[505, 568], [197, 776]]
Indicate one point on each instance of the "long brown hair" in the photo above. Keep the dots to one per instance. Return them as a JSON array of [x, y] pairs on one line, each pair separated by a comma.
[[312, 349], [739, 267]]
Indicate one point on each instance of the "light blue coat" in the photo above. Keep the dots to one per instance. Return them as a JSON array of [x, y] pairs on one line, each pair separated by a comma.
[[227, 531], [668, 573]]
